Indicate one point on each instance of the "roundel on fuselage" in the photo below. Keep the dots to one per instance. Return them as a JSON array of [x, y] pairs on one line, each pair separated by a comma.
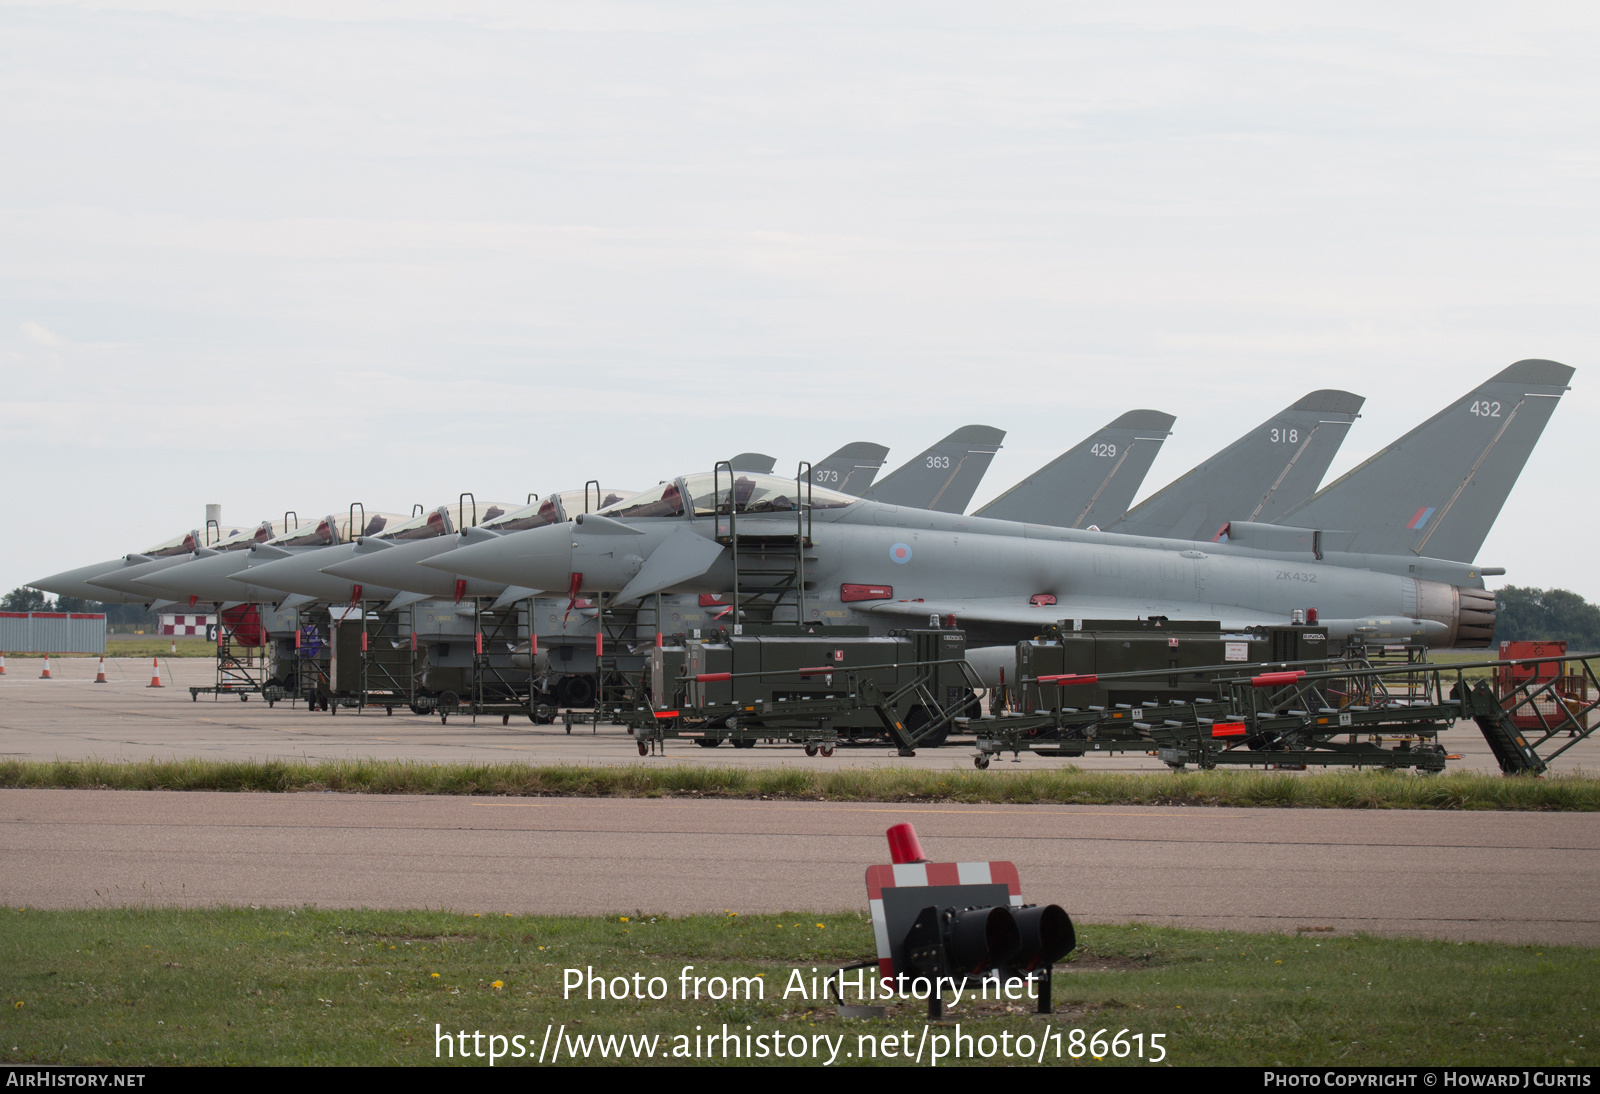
[[900, 552]]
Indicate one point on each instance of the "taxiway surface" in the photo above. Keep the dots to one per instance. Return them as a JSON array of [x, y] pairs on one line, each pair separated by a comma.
[[1512, 877]]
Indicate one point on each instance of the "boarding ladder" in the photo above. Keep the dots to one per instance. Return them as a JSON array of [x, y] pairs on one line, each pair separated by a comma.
[[769, 562]]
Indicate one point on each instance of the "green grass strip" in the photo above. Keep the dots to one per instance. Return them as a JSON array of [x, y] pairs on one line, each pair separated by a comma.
[[1058, 785], [129, 986]]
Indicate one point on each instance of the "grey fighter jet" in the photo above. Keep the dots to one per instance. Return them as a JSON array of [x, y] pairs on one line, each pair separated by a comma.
[[75, 582], [211, 578], [889, 566], [305, 578], [386, 564], [127, 579]]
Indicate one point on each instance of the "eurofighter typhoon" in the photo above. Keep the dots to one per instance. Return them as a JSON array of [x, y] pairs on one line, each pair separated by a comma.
[[861, 560]]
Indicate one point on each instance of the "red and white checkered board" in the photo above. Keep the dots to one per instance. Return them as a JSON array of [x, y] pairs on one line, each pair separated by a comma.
[[880, 878], [186, 624]]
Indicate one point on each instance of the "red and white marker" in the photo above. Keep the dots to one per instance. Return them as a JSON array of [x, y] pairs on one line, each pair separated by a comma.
[[912, 869], [45, 675], [100, 675], [2, 664], [155, 677]]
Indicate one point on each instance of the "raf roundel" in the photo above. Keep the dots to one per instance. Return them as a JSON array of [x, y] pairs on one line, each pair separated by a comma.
[[900, 552]]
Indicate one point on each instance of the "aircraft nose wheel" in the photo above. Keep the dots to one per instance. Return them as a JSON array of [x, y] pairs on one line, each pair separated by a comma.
[[644, 749], [981, 762]]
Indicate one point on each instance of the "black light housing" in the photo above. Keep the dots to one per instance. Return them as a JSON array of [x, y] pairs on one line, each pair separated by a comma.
[[1046, 936]]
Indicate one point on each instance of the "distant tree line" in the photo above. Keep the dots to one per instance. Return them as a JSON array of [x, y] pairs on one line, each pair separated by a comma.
[[1527, 614], [25, 599]]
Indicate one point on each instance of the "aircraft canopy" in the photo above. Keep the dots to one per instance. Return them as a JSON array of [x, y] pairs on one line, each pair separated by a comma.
[[749, 493], [552, 510]]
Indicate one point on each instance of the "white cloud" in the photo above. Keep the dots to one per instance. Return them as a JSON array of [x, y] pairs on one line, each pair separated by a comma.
[[40, 335]]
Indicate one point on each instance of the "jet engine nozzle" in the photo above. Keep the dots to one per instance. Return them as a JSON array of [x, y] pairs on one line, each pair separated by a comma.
[[1476, 615], [1467, 613]]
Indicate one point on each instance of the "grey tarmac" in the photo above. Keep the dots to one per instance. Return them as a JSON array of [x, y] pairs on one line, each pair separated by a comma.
[[72, 718], [1509, 877], [1516, 877]]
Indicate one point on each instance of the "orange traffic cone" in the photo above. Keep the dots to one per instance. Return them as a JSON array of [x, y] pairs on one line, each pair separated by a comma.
[[45, 675], [2, 664], [100, 676], [155, 679]]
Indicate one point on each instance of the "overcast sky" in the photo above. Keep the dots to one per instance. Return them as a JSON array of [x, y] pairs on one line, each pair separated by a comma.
[[292, 255]]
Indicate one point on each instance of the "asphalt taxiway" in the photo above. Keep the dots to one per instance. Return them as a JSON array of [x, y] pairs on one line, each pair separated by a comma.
[[1516, 877], [1512, 877]]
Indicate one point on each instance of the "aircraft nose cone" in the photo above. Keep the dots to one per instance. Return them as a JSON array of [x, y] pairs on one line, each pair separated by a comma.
[[125, 579], [398, 566], [203, 578], [283, 574], [539, 558], [74, 582]]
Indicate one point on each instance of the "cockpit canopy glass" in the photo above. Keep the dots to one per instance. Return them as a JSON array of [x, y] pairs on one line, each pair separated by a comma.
[[553, 510], [473, 515], [745, 492], [261, 533], [435, 522], [333, 529], [177, 545]]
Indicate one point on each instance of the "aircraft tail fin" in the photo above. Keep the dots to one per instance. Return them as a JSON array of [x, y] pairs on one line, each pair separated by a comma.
[[1092, 483], [1437, 490], [945, 476], [758, 463], [1258, 477], [851, 469]]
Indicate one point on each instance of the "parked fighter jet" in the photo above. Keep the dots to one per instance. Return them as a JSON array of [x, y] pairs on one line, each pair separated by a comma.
[[75, 582], [210, 578], [126, 579], [889, 565], [399, 567], [383, 564], [305, 578]]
